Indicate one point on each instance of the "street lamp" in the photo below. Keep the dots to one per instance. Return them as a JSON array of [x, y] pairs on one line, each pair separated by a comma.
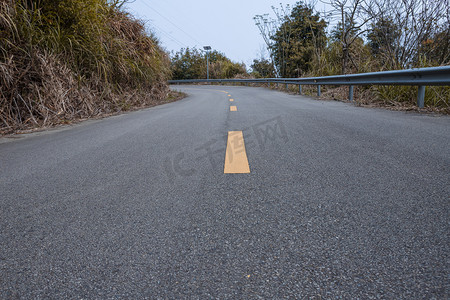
[[207, 48]]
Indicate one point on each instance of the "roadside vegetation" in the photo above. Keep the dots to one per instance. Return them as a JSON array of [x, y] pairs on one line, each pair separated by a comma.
[[190, 63], [368, 36], [63, 60]]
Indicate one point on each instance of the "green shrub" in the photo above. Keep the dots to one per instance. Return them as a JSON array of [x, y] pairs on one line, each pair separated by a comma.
[[89, 49]]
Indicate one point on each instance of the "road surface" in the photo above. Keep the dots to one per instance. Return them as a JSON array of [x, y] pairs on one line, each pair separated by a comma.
[[281, 197]]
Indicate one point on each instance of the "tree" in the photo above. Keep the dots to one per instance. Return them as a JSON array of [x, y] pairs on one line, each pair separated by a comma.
[[269, 26], [382, 37], [191, 64], [188, 64], [297, 40], [436, 50], [262, 68], [352, 24], [420, 31], [340, 30]]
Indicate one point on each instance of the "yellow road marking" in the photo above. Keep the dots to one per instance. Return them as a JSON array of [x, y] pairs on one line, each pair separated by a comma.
[[231, 100], [229, 95], [233, 108], [235, 156]]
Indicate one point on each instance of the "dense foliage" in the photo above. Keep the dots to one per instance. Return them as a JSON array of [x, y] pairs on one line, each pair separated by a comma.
[[191, 64], [262, 68], [67, 59], [369, 36], [298, 38]]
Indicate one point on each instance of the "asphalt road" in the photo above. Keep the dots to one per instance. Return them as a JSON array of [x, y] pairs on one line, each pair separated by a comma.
[[340, 202]]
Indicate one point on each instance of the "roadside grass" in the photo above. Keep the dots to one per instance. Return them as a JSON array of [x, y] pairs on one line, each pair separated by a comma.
[[172, 96], [68, 60]]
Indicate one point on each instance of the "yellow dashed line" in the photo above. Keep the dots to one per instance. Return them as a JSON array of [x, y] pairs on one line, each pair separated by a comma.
[[235, 156], [236, 161]]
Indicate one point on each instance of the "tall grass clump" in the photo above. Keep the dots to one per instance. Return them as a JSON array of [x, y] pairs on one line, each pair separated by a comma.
[[62, 60]]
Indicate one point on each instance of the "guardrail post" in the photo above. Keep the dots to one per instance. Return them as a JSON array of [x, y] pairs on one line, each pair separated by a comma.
[[318, 90], [287, 86], [350, 93], [300, 89], [421, 96]]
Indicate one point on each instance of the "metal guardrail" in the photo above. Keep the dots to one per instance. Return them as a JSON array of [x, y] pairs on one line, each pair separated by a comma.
[[420, 77]]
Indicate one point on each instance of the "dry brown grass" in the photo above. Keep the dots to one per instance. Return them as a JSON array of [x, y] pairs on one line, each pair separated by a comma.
[[50, 77], [43, 92]]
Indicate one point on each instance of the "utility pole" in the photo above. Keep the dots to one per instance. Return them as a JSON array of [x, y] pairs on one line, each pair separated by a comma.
[[207, 48]]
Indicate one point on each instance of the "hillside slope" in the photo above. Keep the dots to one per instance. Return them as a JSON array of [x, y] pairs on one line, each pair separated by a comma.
[[73, 59]]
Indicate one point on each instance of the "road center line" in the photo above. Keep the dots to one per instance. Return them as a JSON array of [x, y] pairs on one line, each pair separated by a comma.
[[235, 156], [233, 108], [231, 100]]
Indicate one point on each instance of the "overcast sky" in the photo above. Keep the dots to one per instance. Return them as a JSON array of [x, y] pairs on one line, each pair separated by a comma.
[[225, 25]]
